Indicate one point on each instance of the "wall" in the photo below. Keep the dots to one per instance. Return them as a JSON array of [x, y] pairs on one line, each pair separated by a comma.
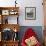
[[36, 29], [27, 3], [39, 13]]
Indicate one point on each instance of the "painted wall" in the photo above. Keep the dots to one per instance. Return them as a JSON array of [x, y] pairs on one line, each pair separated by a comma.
[[26, 3], [37, 29], [39, 13]]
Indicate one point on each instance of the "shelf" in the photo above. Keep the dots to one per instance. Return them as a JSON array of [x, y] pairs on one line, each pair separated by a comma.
[[9, 19], [11, 15], [5, 12], [9, 10], [11, 41], [10, 26]]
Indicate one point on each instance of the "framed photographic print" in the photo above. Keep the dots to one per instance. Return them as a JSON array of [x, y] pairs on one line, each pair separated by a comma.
[[30, 13], [5, 12]]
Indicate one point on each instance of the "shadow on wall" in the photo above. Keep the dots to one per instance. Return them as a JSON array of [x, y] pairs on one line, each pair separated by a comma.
[[37, 29]]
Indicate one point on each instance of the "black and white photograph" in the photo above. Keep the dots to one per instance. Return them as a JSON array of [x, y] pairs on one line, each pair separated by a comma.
[[30, 13]]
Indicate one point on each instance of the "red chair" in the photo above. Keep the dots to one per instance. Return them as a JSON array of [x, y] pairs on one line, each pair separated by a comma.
[[29, 33]]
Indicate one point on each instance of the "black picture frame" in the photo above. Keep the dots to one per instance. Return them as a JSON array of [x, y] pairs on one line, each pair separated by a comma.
[[30, 13]]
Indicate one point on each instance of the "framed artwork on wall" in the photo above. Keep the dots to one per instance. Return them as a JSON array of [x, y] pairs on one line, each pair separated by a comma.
[[30, 13], [5, 12]]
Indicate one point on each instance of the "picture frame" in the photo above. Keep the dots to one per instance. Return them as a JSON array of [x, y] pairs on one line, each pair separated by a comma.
[[13, 12], [5, 12], [30, 13]]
